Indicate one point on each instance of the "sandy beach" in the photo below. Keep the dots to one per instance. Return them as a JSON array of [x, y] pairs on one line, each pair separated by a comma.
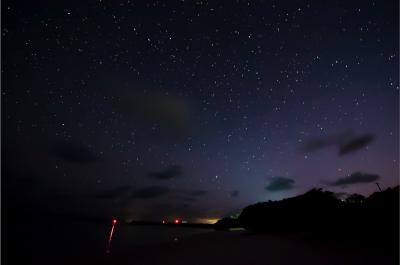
[[242, 248]]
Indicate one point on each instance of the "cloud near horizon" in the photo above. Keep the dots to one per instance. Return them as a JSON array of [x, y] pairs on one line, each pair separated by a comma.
[[345, 142], [114, 193], [198, 193], [150, 192], [235, 193], [188, 196], [170, 172], [280, 183], [355, 178]]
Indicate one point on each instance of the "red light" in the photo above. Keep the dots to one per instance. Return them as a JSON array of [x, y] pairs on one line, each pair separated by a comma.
[[114, 221], [163, 221], [176, 221]]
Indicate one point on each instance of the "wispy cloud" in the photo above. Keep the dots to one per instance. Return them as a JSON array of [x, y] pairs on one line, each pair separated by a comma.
[[150, 192], [169, 173], [346, 143], [280, 183], [355, 178]]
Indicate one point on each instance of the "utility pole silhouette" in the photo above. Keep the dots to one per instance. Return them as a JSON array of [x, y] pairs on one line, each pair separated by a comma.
[[379, 187]]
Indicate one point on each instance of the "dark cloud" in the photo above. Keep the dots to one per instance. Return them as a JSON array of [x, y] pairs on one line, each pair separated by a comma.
[[114, 193], [189, 196], [356, 144], [280, 183], [355, 178], [169, 173], [198, 193], [345, 142], [150, 192], [170, 113], [325, 142], [73, 152], [235, 193]]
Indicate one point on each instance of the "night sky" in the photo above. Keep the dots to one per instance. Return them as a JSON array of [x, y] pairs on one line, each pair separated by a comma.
[[195, 109]]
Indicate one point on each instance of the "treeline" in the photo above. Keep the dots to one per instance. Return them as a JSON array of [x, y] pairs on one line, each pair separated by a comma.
[[321, 211]]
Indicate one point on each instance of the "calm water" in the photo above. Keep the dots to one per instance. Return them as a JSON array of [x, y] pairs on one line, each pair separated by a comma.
[[61, 240]]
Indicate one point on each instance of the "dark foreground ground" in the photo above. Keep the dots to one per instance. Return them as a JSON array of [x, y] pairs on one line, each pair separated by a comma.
[[242, 248]]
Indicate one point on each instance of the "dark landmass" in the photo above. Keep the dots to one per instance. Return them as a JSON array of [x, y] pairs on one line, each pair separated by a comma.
[[321, 211], [227, 223], [371, 224], [318, 212]]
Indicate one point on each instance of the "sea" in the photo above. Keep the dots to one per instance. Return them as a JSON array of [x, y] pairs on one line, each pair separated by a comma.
[[49, 241]]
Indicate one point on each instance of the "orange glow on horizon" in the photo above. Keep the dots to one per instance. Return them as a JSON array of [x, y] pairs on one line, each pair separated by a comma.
[[208, 220]]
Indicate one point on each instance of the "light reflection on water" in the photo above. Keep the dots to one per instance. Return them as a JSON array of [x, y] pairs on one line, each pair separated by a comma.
[[73, 239]]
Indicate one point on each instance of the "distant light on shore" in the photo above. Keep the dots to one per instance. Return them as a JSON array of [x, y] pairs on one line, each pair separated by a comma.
[[208, 220]]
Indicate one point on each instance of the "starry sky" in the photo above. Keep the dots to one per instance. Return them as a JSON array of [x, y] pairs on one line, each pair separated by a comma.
[[195, 109]]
